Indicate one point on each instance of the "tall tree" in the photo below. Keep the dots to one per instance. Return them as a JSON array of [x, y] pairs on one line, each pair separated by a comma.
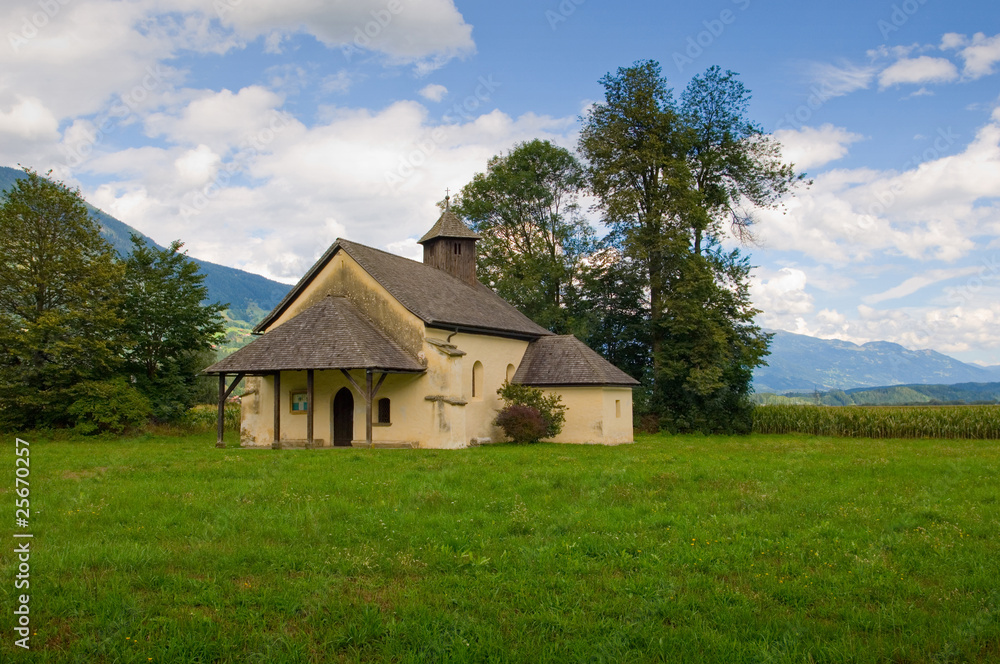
[[168, 324], [534, 238], [667, 177], [59, 302], [611, 310]]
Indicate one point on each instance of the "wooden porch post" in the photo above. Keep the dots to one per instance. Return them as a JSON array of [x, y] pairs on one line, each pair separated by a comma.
[[224, 393], [222, 409], [368, 407], [368, 394], [276, 445], [309, 409]]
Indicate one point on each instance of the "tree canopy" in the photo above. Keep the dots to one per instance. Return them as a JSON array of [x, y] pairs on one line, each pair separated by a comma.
[[534, 236], [88, 339], [668, 176], [60, 316], [168, 327]]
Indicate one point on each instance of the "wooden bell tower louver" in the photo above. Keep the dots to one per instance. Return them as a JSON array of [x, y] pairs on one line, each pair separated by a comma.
[[450, 246]]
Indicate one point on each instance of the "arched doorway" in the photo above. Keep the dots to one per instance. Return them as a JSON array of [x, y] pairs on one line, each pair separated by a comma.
[[343, 418]]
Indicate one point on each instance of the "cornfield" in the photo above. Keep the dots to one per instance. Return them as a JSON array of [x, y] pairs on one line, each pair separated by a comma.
[[978, 422]]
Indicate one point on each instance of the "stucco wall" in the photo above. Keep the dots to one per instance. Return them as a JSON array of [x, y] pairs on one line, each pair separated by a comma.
[[595, 415], [453, 377]]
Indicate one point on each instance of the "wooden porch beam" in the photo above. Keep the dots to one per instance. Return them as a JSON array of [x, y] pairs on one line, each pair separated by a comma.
[[368, 407], [219, 442], [223, 395], [309, 409], [276, 444]]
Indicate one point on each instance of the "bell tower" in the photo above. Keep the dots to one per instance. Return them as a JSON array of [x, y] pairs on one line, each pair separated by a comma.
[[451, 246]]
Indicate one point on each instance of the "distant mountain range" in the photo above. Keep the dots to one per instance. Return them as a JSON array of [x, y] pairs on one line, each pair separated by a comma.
[[799, 363], [250, 296], [895, 395]]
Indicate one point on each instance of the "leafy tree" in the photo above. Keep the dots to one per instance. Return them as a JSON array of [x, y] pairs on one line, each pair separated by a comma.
[[534, 238], [612, 312], [668, 176], [59, 303], [168, 325]]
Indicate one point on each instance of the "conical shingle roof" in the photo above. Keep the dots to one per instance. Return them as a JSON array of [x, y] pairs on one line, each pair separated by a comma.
[[564, 360], [449, 225]]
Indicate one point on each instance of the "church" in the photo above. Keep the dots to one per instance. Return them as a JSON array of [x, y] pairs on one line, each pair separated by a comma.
[[372, 349]]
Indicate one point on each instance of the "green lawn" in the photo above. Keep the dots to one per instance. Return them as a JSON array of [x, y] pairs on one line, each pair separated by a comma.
[[678, 549]]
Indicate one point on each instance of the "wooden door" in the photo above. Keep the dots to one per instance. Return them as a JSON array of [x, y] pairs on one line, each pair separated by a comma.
[[343, 418]]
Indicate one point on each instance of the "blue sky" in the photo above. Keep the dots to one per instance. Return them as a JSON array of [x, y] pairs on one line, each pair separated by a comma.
[[259, 131]]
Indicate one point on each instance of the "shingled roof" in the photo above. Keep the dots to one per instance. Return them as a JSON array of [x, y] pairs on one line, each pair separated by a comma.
[[432, 295], [449, 225], [331, 334], [564, 360]]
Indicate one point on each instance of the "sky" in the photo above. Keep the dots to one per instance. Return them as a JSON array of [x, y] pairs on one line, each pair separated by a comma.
[[259, 131]]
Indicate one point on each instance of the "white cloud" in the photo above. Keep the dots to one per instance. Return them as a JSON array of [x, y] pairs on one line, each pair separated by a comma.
[[931, 210], [408, 248], [923, 69], [433, 92], [371, 176], [981, 54], [197, 167], [426, 33], [953, 40], [29, 118], [782, 297], [220, 120], [919, 282], [340, 82], [810, 147], [836, 81]]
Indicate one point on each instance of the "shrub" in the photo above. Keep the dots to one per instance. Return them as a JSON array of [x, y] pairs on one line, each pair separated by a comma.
[[522, 424], [207, 417], [107, 406], [550, 406]]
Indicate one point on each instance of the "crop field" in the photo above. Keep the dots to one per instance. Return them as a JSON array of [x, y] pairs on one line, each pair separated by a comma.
[[974, 422], [767, 548]]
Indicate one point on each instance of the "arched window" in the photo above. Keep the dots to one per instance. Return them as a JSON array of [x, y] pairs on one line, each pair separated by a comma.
[[383, 411], [511, 370], [477, 380]]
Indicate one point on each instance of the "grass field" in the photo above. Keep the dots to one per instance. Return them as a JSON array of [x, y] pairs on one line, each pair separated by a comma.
[[676, 549]]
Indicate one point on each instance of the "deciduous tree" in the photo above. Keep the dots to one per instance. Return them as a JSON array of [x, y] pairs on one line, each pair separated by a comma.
[[168, 324], [60, 321], [668, 176], [534, 237]]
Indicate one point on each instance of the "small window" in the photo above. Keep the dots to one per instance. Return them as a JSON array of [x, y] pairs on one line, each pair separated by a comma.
[[618, 407], [458, 248], [477, 380], [383, 411], [511, 370]]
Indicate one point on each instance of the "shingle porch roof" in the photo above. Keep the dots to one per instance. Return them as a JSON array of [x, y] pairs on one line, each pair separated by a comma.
[[331, 334]]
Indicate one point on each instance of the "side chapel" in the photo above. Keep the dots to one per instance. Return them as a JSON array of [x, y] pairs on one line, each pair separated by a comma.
[[374, 349]]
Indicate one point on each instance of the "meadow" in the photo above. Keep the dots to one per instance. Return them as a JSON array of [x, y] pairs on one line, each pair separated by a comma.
[[766, 548]]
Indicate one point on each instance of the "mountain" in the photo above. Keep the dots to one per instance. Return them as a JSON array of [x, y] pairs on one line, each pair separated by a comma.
[[896, 395], [800, 363], [250, 296]]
